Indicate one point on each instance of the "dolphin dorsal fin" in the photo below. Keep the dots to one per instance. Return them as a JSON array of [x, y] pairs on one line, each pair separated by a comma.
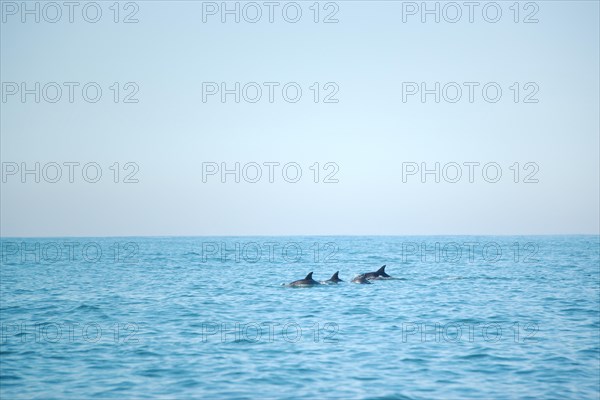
[[309, 276], [335, 276], [381, 270]]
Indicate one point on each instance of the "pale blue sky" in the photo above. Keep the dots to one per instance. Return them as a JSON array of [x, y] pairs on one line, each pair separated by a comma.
[[369, 133]]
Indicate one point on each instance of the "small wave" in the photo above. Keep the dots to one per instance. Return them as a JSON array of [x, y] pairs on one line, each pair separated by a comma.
[[476, 356]]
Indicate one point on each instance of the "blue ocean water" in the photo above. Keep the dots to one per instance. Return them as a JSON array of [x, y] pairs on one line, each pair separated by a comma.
[[208, 317]]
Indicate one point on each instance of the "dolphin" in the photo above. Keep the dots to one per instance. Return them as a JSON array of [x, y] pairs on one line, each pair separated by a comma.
[[379, 274], [334, 279], [361, 279], [308, 281]]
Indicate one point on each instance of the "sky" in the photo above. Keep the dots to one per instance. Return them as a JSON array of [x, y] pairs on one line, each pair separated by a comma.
[[162, 146]]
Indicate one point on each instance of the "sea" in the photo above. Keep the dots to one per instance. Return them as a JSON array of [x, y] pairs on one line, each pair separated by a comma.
[[495, 317]]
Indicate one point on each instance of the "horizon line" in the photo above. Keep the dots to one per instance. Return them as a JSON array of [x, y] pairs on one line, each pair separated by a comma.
[[3, 237]]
